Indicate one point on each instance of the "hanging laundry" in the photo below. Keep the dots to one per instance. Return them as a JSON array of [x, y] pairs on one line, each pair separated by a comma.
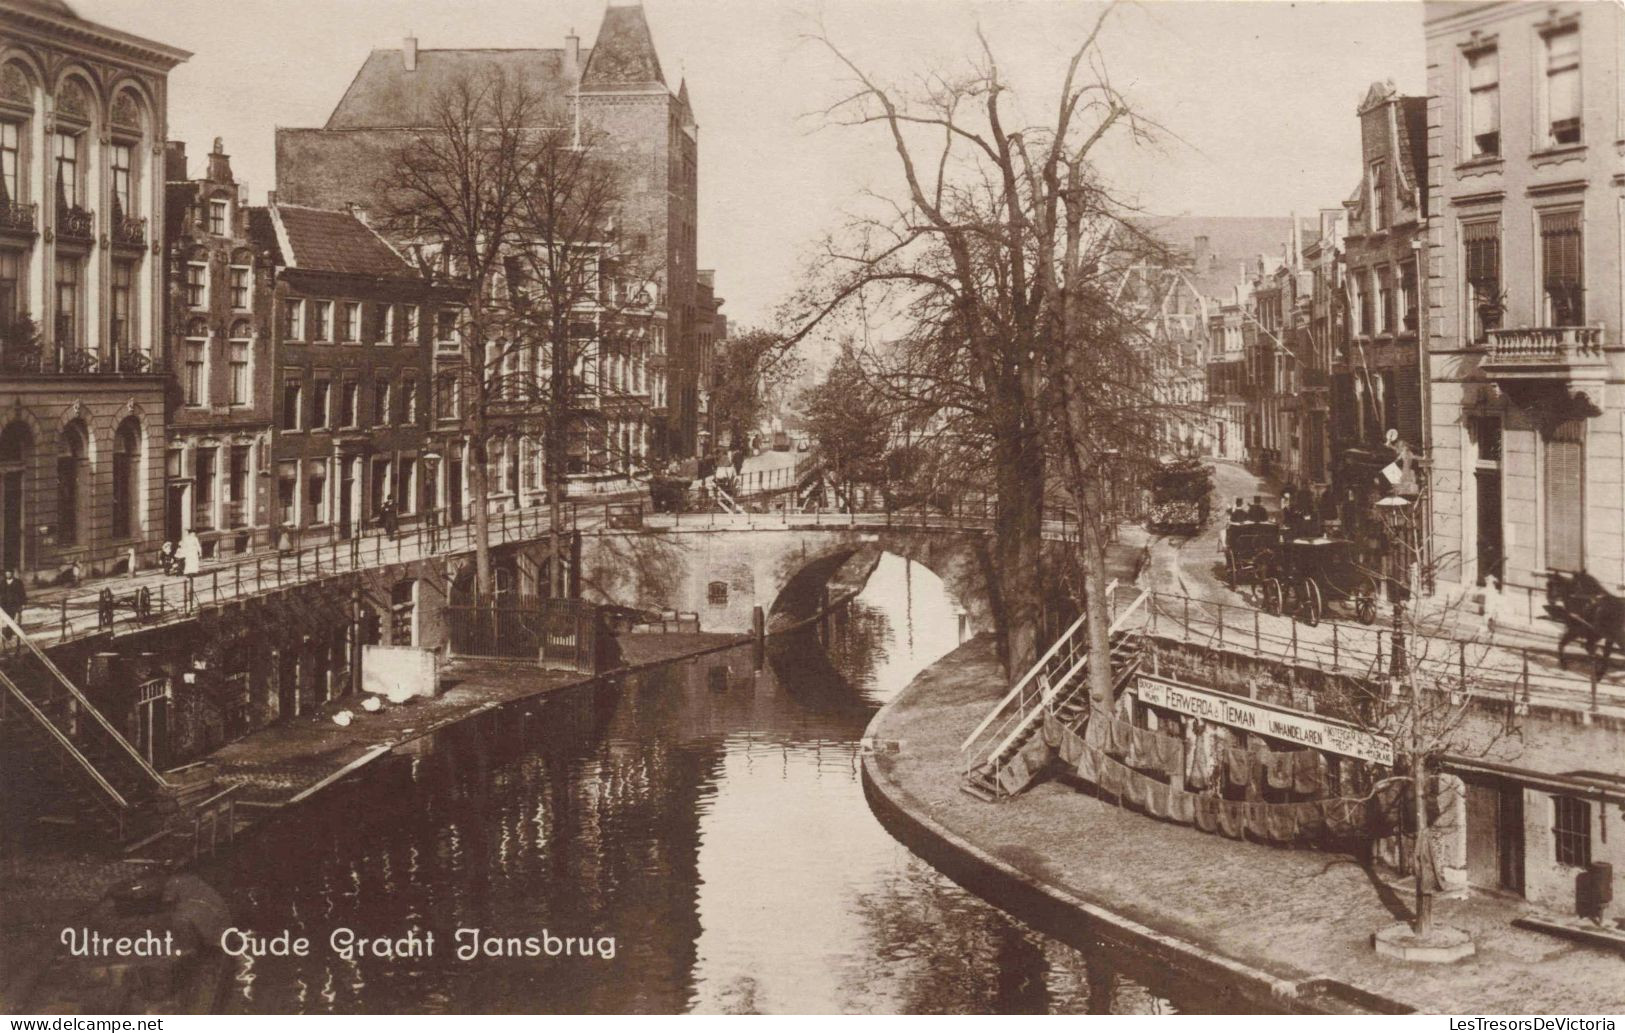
[[1345, 817], [1095, 732], [1238, 767], [1088, 763], [1120, 738], [1181, 806], [1196, 761], [1111, 776], [1170, 759], [1258, 820], [1280, 768], [1281, 819], [1232, 818], [1135, 786], [1207, 812], [1156, 799], [1309, 772], [1146, 752], [1071, 746], [1310, 818]]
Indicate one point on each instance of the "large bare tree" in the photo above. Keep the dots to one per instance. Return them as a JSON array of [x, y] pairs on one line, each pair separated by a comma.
[[1000, 258]]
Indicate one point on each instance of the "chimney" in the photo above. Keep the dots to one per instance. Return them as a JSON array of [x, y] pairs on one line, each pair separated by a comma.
[[242, 193], [175, 161], [572, 55], [409, 53], [219, 163], [1200, 255]]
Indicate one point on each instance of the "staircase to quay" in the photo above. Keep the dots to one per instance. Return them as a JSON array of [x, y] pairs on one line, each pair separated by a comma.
[[1056, 688]]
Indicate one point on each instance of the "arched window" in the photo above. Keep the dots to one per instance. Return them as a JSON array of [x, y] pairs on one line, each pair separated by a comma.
[[73, 476], [241, 333], [16, 113], [126, 478], [196, 379]]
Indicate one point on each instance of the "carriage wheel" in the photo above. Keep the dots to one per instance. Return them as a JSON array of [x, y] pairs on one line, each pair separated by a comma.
[[1313, 606], [1272, 596], [1365, 605]]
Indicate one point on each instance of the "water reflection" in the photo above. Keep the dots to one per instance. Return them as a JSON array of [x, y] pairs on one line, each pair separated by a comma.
[[708, 816]]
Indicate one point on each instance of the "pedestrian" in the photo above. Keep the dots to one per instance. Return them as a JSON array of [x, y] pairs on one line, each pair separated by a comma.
[[386, 515], [13, 597], [166, 557], [190, 554]]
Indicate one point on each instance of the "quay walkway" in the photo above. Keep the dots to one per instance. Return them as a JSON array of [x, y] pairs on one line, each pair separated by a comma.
[[1290, 928]]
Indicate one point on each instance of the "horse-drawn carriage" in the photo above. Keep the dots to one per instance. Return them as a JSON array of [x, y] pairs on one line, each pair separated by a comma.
[[1308, 575], [1589, 613], [1249, 551], [1181, 494]]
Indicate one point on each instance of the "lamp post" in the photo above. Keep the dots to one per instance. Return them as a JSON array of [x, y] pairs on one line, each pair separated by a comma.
[[1396, 513]]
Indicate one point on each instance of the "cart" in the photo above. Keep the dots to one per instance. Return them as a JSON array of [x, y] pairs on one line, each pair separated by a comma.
[[1318, 573], [1181, 493], [1249, 551]]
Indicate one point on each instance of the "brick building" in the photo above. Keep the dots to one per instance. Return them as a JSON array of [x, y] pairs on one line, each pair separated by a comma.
[[220, 349], [83, 113], [1527, 374], [355, 330], [616, 92]]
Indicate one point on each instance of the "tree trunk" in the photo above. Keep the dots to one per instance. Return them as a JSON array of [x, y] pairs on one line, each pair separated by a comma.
[[480, 488], [1017, 549], [1097, 607]]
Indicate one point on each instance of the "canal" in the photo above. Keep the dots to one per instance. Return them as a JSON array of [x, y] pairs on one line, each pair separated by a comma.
[[707, 816]]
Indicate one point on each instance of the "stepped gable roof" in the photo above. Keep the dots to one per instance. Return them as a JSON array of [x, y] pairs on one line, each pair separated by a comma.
[[624, 52], [324, 240], [385, 94]]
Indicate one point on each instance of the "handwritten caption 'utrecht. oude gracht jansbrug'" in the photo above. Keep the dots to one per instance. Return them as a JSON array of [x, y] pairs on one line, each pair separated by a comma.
[[466, 943]]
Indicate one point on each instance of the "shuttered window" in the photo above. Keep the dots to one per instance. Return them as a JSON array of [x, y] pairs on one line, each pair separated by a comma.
[[1565, 496], [1482, 241], [1560, 264]]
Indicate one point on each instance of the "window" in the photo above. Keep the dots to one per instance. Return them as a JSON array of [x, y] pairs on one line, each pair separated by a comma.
[[349, 404], [1563, 86], [11, 287], [126, 448], [1407, 298], [11, 163], [195, 381], [67, 170], [1560, 262], [409, 324], [1571, 830], [350, 322], [315, 491], [67, 302], [1484, 103], [447, 397], [218, 209], [445, 325], [120, 164], [321, 392], [293, 399], [409, 400], [197, 277], [387, 314], [239, 366], [380, 402], [293, 319], [203, 487], [123, 298], [237, 487], [1377, 196], [408, 482], [287, 491], [70, 474], [1482, 243], [1385, 301], [716, 593], [1565, 496], [322, 324], [238, 281]]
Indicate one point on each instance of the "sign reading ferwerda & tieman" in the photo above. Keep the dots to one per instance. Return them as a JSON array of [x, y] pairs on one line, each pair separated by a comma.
[[1307, 729]]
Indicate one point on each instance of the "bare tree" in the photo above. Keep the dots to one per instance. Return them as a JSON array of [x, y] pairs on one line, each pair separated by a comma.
[[999, 259]]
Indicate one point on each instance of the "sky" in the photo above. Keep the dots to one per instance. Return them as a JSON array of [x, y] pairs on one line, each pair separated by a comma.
[[1256, 99]]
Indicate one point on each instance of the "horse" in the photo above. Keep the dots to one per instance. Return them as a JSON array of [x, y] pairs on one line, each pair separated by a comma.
[[1588, 612]]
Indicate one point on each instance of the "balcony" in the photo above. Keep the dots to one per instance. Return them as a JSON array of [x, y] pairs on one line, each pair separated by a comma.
[[130, 231], [33, 359], [74, 223], [1545, 353], [19, 217]]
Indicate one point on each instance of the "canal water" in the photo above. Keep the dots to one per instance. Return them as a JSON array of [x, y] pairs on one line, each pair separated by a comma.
[[707, 816]]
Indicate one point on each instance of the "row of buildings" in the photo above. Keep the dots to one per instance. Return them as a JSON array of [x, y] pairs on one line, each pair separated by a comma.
[[176, 359], [1460, 311]]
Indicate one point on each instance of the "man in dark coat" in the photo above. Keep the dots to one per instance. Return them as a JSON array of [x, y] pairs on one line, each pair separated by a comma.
[[13, 597], [1256, 512]]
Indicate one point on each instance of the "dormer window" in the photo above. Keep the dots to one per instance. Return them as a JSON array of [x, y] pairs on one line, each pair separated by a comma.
[[1563, 86]]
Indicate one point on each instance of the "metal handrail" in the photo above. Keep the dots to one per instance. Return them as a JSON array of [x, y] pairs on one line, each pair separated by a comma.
[[63, 741], [90, 708]]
